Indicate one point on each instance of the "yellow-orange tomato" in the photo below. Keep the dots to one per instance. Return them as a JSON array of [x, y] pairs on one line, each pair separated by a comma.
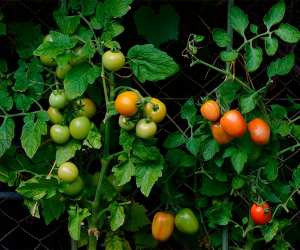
[[210, 110], [219, 134], [259, 131], [156, 110], [234, 123], [162, 226], [126, 103]]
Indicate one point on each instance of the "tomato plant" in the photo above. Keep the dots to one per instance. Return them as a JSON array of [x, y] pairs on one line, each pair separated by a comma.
[[80, 127], [58, 99], [219, 134], [126, 123], [259, 131], [54, 115], [233, 123], [59, 133], [126, 103], [67, 172], [113, 60], [145, 129], [86, 107], [74, 188], [155, 110], [162, 226], [61, 71], [186, 221], [261, 213], [210, 110]]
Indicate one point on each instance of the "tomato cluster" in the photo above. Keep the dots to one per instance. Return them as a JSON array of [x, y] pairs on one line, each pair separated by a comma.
[[139, 113]]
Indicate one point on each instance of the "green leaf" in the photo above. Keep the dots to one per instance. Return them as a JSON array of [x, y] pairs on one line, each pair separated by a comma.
[[144, 240], [136, 217], [194, 144], [275, 14], [53, 208], [67, 24], [221, 37], [126, 140], [145, 152], [100, 18], [270, 231], [213, 188], [7, 133], [76, 217], [93, 139], [88, 7], [282, 245], [150, 64], [271, 45], [281, 127], [253, 58], [123, 172], [227, 92], [67, 151], [174, 140], [167, 19], [229, 56], [117, 8], [296, 131], [288, 33], [271, 169], [278, 111], [111, 30], [2, 29], [113, 242], [237, 182], [296, 177], [78, 79], [117, 216], [3, 69], [210, 149], [188, 111], [238, 160], [33, 207], [179, 158], [238, 20], [281, 66], [34, 127], [248, 103], [254, 28], [219, 214]]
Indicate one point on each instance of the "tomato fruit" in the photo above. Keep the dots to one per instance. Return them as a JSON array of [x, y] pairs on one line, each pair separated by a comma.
[[73, 188], [67, 172], [259, 131], [78, 56], [86, 107], [219, 134], [186, 221], [162, 226], [113, 60], [126, 123], [61, 71], [58, 99], [210, 110], [155, 110], [54, 115], [145, 129], [47, 60], [261, 213], [126, 103], [59, 134], [234, 123], [80, 127]]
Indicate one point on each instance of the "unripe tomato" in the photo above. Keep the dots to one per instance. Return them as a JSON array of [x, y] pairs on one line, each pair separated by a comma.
[[234, 123], [61, 71], [86, 107], [162, 226], [54, 115], [73, 188], [47, 60], [58, 99], [67, 172], [261, 213], [113, 60], [126, 123], [59, 134], [145, 129], [219, 134], [80, 127], [156, 110], [78, 56], [126, 103], [259, 131], [210, 110], [186, 221]]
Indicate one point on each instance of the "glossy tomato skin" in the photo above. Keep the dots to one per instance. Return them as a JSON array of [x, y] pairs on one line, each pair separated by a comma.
[[67, 172], [145, 129], [259, 131], [59, 134], [186, 221], [113, 60], [261, 213], [162, 226], [126, 123], [47, 60], [61, 71], [58, 99], [74, 188], [155, 110], [80, 127], [210, 110], [219, 134], [126, 103], [234, 123], [86, 107], [54, 115]]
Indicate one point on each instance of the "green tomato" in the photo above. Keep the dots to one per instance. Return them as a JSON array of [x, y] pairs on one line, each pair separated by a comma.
[[145, 129], [73, 188], [113, 60], [80, 127], [186, 221], [59, 134], [86, 107], [47, 60], [67, 172], [126, 123], [58, 99], [62, 71], [54, 115], [78, 56]]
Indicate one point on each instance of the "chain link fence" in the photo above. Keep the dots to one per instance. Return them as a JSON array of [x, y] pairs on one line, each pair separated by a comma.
[[20, 231]]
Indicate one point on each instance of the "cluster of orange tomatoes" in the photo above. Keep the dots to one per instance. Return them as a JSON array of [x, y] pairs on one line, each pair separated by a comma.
[[136, 112], [233, 125]]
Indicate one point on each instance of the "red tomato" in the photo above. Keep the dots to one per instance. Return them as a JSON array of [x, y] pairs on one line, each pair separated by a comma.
[[261, 213], [234, 123], [162, 226], [219, 134], [259, 131], [210, 110]]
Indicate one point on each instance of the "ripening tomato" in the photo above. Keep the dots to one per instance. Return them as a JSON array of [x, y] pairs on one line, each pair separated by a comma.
[[47, 60], [186, 221], [234, 123], [74, 188], [54, 115], [126, 103], [261, 213], [67, 172], [155, 110], [162, 226], [219, 134], [59, 134], [61, 71], [80, 127], [210, 110], [58, 99], [113, 60], [145, 129], [86, 107], [126, 123], [259, 131]]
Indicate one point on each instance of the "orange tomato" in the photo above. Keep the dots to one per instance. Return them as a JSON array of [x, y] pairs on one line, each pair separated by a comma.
[[219, 134], [126, 103], [259, 131], [162, 226], [210, 110], [234, 123]]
